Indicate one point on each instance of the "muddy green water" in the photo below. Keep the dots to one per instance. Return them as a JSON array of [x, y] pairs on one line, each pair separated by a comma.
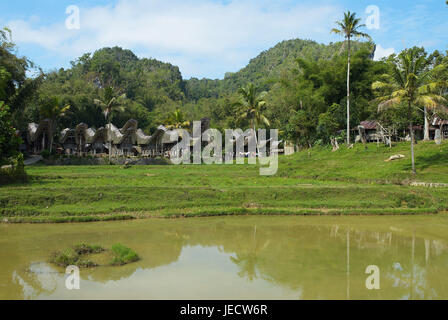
[[236, 258]]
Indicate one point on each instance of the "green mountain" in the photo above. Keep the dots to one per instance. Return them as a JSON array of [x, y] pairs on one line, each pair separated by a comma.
[[268, 66]]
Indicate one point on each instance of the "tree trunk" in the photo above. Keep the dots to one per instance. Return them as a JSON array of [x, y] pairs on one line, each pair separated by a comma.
[[426, 136], [412, 147], [51, 144], [348, 94], [256, 139], [53, 125], [411, 132], [110, 141], [110, 150]]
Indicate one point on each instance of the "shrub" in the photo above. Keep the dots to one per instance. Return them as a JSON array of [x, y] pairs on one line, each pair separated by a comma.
[[76, 255], [123, 255], [9, 140], [45, 154], [84, 248], [15, 172], [65, 258]]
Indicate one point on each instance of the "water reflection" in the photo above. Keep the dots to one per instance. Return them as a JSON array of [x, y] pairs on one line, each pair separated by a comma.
[[236, 257]]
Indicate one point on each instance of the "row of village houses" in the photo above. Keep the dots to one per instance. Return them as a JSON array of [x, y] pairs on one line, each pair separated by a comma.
[[374, 131], [127, 141], [130, 140]]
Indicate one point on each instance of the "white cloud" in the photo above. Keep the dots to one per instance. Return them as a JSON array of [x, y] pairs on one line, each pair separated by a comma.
[[382, 52], [199, 35]]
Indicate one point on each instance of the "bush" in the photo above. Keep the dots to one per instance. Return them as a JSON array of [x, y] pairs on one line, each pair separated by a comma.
[[15, 172], [123, 255], [45, 154], [76, 255], [65, 258], [84, 248], [9, 149], [9, 140]]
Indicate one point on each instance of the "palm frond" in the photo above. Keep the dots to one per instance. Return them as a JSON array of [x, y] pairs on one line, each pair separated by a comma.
[[98, 102], [336, 31], [389, 103], [265, 120], [430, 101], [358, 34], [379, 85]]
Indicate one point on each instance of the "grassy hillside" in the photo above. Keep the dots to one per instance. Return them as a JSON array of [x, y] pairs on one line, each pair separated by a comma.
[[354, 181], [368, 166]]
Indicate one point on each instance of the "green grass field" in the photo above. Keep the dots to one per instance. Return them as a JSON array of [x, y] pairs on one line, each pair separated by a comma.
[[353, 181]]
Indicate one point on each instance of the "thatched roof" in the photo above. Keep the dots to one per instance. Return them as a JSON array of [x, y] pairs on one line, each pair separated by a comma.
[[35, 130], [436, 121], [369, 124]]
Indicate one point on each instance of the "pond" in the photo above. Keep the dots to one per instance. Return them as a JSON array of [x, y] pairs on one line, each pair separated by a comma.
[[249, 257]]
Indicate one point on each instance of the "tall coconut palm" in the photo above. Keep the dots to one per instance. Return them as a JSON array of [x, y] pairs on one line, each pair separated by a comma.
[[53, 110], [410, 83], [349, 28], [110, 103], [176, 120], [252, 107]]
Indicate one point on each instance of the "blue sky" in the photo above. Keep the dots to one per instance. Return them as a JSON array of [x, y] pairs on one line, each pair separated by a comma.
[[207, 38]]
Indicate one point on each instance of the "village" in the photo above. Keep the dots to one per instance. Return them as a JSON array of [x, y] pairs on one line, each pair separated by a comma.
[[130, 141], [194, 150]]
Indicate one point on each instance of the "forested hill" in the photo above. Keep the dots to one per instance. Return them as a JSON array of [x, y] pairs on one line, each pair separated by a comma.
[[154, 89], [269, 65], [149, 85]]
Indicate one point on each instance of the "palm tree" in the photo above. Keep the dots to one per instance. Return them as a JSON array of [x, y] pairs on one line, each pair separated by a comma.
[[176, 120], [110, 104], [53, 110], [412, 84], [252, 107], [349, 28]]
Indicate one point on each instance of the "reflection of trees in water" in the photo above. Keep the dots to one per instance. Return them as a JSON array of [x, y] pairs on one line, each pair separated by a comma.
[[413, 267], [247, 263], [38, 279], [315, 259], [248, 258], [311, 259]]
